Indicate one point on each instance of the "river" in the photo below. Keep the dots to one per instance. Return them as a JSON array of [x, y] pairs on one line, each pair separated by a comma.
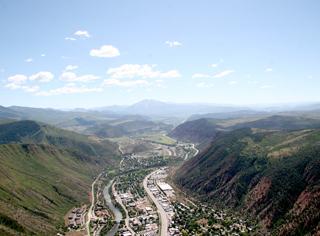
[[112, 207]]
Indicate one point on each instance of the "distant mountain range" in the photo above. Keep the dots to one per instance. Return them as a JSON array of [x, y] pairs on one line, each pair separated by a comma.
[[158, 108], [155, 109]]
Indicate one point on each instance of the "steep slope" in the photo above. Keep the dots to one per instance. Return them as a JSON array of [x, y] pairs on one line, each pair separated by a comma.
[[196, 131], [126, 127], [271, 175], [205, 129], [44, 171], [230, 115], [278, 122], [6, 113]]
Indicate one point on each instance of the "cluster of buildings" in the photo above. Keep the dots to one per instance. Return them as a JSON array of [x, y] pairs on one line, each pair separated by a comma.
[[165, 195], [208, 220], [76, 218], [142, 217]]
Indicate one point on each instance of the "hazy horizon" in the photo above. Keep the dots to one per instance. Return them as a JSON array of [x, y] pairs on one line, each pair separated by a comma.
[[249, 106]]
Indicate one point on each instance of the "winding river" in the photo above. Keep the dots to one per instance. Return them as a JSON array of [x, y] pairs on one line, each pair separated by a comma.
[[116, 212]]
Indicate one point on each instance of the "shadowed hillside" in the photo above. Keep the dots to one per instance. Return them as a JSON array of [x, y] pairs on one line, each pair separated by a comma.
[[271, 175], [45, 171]]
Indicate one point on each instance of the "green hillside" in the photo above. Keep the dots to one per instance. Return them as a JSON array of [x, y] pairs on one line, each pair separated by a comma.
[[44, 171], [206, 129], [196, 131], [273, 175], [126, 127]]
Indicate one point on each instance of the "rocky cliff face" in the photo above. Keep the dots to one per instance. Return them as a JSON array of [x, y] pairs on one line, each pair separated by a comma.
[[241, 170]]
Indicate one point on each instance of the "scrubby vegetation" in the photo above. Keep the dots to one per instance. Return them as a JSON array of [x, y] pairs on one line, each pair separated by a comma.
[[45, 171], [265, 173]]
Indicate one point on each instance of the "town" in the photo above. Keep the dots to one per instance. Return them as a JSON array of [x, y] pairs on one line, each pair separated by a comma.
[[139, 200]]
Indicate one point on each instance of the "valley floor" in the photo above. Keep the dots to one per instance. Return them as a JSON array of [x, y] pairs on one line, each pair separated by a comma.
[[137, 199]]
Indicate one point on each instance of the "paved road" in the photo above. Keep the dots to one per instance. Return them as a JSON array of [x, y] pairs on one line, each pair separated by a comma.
[[163, 215], [118, 199], [90, 212], [194, 147]]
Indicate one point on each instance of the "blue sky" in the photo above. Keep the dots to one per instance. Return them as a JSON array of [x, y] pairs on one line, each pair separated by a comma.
[[78, 53]]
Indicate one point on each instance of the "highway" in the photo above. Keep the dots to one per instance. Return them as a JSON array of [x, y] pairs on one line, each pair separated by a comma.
[[163, 215]]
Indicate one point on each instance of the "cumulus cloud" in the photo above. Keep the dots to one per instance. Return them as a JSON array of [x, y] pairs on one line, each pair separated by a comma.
[[70, 38], [43, 55], [173, 44], [69, 89], [28, 60], [70, 67], [105, 51], [42, 76], [140, 71], [68, 76], [223, 73], [26, 88], [19, 82], [82, 33], [125, 83], [18, 79]]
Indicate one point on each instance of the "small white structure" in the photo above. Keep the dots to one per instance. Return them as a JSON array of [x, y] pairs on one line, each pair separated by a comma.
[[165, 186]]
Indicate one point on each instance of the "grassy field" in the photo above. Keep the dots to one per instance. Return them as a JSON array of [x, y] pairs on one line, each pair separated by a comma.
[[160, 138]]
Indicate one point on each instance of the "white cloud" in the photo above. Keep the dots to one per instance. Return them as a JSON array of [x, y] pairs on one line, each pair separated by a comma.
[[70, 38], [125, 83], [26, 88], [200, 75], [18, 79], [105, 51], [69, 89], [223, 74], [268, 70], [214, 65], [42, 76], [28, 60], [70, 67], [43, 55], [30, 89], [140, 71], [72, 77], [173, 44], [82, 33]]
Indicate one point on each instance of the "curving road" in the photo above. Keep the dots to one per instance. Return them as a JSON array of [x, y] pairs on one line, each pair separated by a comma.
[[163, 215], [90, 214]]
